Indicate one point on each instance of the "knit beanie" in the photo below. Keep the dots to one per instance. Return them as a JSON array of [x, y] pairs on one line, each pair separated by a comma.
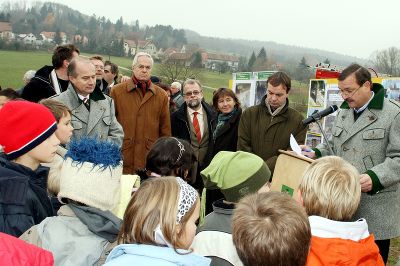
[[236, 174], [23, 126], [91, 173]]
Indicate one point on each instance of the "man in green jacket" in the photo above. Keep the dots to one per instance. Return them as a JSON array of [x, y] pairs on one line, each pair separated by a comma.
[[266, 128]]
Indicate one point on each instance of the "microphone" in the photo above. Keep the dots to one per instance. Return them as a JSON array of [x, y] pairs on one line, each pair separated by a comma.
[[318, 115]]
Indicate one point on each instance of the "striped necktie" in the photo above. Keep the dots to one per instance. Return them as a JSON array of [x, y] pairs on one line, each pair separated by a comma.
[[196, 126], [86, 102]]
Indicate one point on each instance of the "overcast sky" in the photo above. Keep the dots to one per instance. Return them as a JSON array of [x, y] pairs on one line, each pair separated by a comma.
[[352, 27]]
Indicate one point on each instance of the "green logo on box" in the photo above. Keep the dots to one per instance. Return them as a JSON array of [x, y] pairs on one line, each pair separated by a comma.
[[287, 190]]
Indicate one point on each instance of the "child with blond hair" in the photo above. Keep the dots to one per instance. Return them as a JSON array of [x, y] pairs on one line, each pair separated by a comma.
[[330, 193]]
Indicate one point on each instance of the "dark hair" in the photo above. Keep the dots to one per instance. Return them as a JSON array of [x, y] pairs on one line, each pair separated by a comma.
[[114, 69], [167, 89], [169, 155], [222, 92], [361, 73], [279, 78], [63, 52], [9, 93]]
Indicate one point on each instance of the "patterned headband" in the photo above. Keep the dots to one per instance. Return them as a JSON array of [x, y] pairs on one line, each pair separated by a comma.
[[187, 198], [181, 149]]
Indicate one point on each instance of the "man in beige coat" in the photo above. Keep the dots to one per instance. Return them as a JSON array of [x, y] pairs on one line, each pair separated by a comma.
[[142, 109]]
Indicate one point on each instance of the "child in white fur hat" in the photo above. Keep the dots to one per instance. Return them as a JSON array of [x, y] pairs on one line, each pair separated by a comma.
[[85, 228]]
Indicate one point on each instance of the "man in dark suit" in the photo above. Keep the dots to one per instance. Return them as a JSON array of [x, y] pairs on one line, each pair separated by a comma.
[[192, 122]]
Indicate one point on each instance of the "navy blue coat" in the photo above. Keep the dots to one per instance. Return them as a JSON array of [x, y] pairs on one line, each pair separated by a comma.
[[23, 197]]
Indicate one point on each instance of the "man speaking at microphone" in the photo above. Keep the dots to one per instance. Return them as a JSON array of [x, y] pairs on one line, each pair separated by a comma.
[[265, 128], [366, 133]]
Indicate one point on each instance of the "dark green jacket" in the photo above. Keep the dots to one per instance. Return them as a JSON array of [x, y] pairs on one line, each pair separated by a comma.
[[264, 135]]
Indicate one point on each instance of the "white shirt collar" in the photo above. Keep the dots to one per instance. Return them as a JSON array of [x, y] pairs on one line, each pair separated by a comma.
[[362, 108], [191, 111]]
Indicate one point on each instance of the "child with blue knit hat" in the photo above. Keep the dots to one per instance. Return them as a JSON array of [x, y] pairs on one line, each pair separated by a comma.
[[27, 139], [85, 228], [236, 174]]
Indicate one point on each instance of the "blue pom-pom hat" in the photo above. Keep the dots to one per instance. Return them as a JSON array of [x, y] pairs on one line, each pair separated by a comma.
[[91, 173]]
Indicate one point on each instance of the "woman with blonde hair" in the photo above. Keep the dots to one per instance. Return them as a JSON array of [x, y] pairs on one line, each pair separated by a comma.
[[159, 225]]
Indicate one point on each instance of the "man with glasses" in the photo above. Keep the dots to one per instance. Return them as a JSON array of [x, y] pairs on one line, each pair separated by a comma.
[[142, 109], [265, 128], [366, 133], [51, 80], [192, 122]]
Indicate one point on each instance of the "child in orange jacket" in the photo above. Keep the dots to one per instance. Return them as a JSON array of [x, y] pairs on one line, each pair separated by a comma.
[[330, 193]]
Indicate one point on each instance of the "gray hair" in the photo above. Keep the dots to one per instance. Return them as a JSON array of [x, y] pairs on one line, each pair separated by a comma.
[[28, 75], [192, 82], [136, 58], [176, 85]]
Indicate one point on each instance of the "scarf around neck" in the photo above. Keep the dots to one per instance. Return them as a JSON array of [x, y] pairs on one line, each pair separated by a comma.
[[222, 119], [142, 85]]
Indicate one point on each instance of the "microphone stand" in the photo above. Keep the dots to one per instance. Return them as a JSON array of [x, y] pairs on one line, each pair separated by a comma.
[[317, 118]]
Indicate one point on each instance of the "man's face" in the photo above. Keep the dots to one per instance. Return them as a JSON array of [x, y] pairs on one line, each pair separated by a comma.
[[142, 70], [108, 76], [276, 96], [85, 80], [193, 95], [355, 95], [99, 66], [174, 90]]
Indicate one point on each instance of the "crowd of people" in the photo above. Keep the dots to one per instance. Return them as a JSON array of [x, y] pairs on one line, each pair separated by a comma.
[[95, 171]]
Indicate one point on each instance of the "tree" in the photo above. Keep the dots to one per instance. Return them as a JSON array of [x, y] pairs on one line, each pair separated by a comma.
[[252, 60], [327, 61], [388, 61], [262, 55], [57, 37], [303, 63], [197, 61], [174, 70]]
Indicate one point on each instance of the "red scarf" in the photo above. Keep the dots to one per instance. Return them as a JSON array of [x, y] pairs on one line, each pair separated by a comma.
[[142, 85]]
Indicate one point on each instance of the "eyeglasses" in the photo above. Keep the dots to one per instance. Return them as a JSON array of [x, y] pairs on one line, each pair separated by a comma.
[[349, 93], [190, 93]]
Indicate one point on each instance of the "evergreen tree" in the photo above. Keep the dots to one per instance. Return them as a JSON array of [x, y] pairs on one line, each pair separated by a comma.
[[262, 55], [252, 60], [57, 37], [327, 61], [303, 63]]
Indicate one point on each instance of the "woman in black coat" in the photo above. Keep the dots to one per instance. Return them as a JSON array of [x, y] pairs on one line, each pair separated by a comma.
[[225, 132]]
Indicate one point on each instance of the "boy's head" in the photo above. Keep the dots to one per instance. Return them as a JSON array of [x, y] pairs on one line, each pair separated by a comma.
[[236, 174], [331, 188], [24, 126], [271, 229], [63, 117]]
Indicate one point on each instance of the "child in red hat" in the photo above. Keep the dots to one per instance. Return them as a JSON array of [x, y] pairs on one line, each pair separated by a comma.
[[27, 139]]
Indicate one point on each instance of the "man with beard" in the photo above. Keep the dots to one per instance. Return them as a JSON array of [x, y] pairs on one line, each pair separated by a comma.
[[92, 112], [192, 122], [98, 63]]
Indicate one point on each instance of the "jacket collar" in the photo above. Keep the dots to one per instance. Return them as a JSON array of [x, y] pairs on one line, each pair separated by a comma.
[[158, 253], [132, 86], [283, 112], [376, 102]]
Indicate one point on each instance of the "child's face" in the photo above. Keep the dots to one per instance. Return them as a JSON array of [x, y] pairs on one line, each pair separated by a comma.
[[64, 129], [190, 227], [45, 151]]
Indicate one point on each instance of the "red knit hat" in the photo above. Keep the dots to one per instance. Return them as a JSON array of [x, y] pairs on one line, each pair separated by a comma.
[[23, 126]]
